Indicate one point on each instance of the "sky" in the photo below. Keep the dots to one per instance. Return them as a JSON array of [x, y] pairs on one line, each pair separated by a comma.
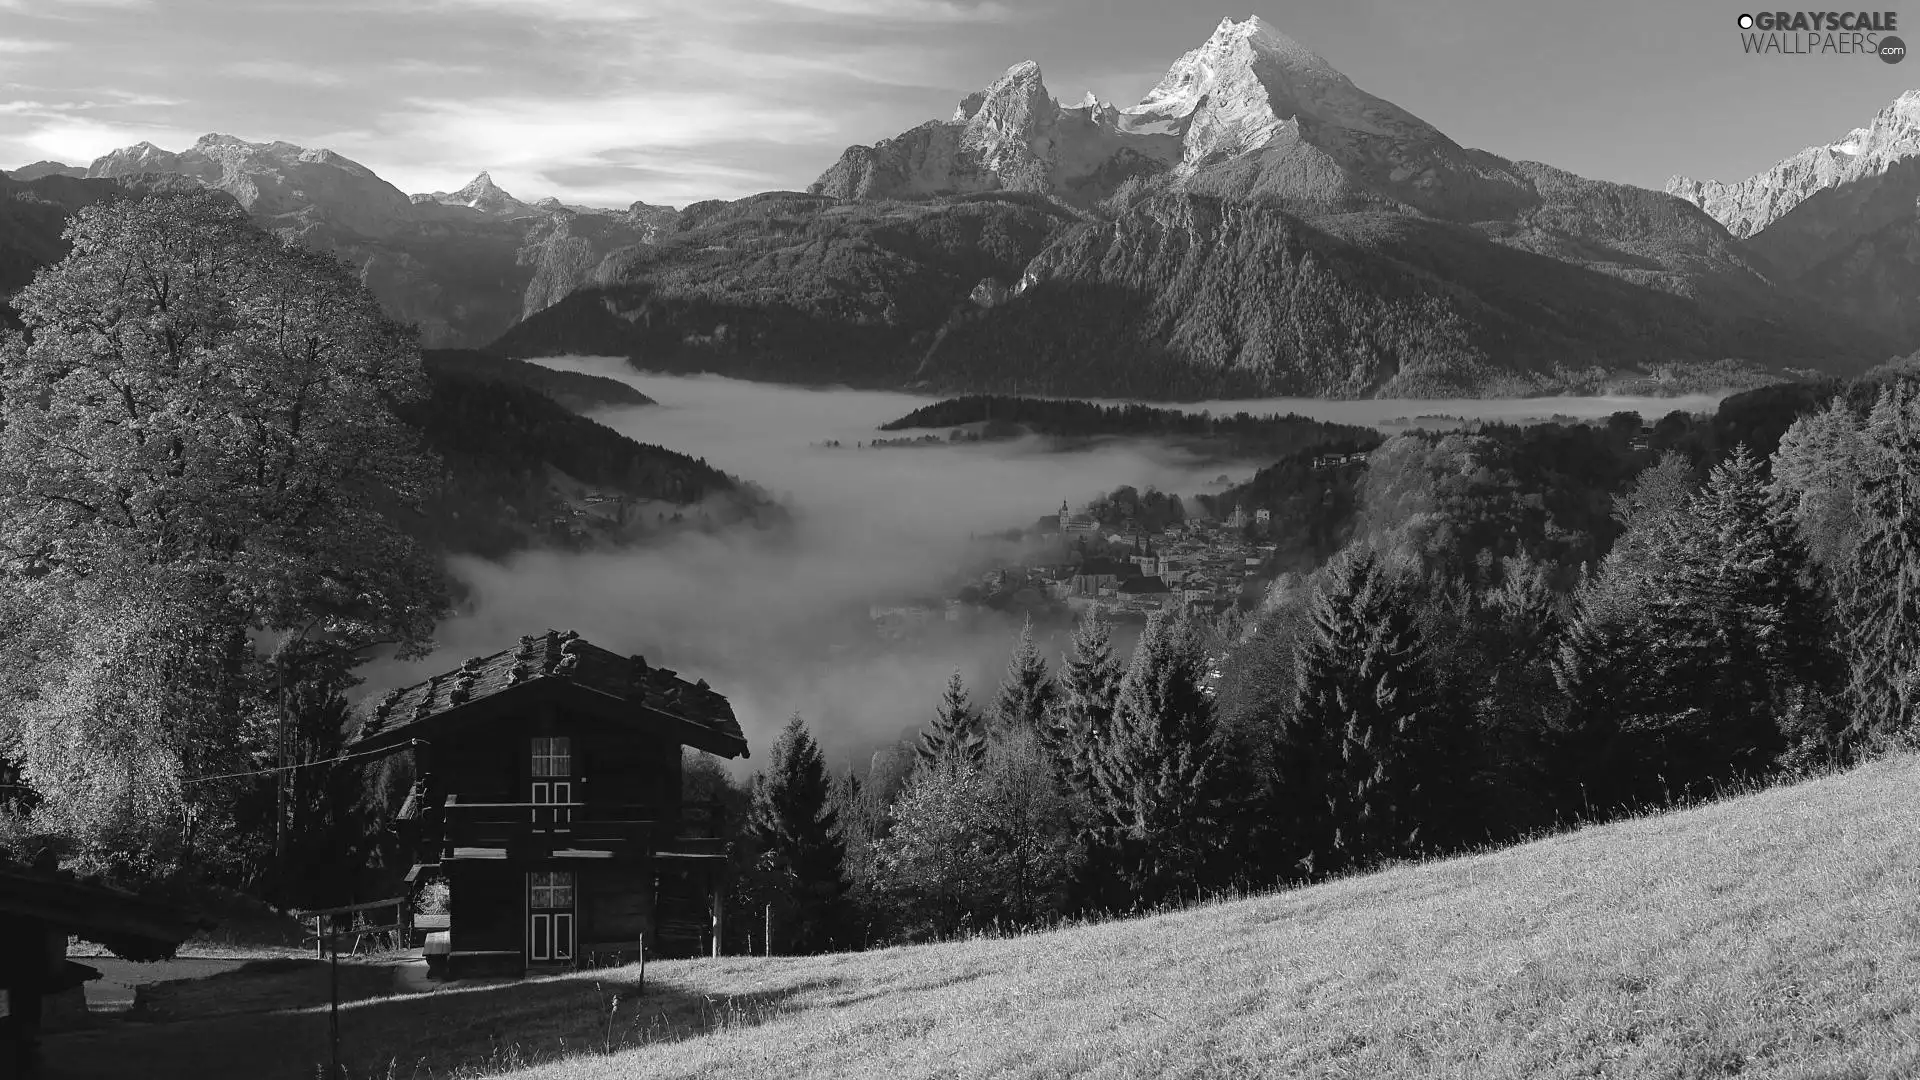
[[672, 101]]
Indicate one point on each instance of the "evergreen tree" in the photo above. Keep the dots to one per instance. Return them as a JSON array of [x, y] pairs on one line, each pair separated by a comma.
[[1637, 664], [1521, 627], [1880, 589], [796, 830], [1350, 764], [956, 728], [1027, 694], [1083, 708], [1157, 775], [1773, 662]]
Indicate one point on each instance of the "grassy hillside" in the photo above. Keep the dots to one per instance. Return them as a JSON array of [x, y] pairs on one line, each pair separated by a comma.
[[1772, 935]]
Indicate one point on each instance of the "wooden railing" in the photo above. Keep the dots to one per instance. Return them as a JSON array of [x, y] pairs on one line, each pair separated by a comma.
[[360, 926], [497, 824]]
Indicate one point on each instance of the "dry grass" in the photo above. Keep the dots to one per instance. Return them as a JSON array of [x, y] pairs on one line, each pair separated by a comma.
[[1773, 935]]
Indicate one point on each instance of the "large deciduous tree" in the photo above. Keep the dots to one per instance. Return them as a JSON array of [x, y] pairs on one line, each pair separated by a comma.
[[198, 448]]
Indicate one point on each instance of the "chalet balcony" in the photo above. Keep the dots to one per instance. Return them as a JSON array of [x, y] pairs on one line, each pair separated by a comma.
[[519, 830]]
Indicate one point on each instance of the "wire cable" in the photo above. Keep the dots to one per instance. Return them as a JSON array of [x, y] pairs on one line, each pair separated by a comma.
[[307, 765]]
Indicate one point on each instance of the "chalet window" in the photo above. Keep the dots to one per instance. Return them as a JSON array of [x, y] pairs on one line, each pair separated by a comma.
[[550, 890], [550, 915], [553, 756]]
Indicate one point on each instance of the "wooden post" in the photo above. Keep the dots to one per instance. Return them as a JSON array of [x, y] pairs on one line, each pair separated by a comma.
[[333, 1018], [719, 902], [767, 938]]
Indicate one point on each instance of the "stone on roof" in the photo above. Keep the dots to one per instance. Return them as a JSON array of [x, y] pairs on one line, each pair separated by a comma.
[[560, 657]]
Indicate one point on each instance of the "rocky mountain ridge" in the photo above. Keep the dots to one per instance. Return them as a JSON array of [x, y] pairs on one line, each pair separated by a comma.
[[462, 265], [1838, 222], [1747, 207], [46, 168], [1209, 271], [1250, 112]]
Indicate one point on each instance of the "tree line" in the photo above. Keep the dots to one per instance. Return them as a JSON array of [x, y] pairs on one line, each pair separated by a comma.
[[1240, 433], [1738, 621]]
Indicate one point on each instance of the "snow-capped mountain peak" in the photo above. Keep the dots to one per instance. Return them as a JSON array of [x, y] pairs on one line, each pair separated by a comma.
[[1747, 206]]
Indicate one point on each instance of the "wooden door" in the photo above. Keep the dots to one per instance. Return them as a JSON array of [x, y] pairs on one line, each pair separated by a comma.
[[551, 916]]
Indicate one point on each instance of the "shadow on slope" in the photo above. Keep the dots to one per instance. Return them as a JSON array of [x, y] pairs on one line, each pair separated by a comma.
[[790, 287], [1187, 296], [459, 1030]]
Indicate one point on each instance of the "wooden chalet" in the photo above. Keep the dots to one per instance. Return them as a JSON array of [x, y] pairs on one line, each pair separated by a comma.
[[547, 796], [40, 907]]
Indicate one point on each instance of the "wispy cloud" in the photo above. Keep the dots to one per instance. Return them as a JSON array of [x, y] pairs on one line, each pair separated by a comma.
[[937, 11], [68, 9], [525, 140], [22, 46], [287, 74], [30, 107], [78, 140]]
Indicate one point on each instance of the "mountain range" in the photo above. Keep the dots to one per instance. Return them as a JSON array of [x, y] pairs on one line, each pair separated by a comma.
[[463, 266], [1256, 224]]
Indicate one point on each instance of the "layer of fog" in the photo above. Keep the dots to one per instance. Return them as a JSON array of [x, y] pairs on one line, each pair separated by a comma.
[[781, 626]]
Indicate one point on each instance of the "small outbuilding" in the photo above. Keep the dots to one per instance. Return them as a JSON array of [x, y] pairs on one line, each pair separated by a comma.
[[40, 908]]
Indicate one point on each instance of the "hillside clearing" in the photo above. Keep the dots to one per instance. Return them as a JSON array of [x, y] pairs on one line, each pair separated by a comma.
[[1773, 935]]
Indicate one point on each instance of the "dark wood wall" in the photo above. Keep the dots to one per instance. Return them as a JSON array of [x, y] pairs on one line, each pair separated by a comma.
[[616, 902], [486, 903], [487, 761]]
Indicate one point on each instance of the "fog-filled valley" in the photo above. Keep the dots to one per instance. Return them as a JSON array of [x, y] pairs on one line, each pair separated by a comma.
[[779, 621]]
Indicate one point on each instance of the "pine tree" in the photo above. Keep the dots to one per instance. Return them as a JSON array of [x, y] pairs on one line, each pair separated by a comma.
[[1773, 660], [1636, 667], [1522, 627], [1351, 765], [797, 832], [1157, 775], [1083, 708], [1880, 606], [956, 728], [1028, 692]]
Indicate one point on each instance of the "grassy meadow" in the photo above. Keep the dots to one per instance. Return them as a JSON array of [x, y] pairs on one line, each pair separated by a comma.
[[1772, 935]]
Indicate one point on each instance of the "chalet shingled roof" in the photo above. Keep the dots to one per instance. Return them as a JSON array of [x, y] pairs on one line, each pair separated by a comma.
[[558, 656]]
